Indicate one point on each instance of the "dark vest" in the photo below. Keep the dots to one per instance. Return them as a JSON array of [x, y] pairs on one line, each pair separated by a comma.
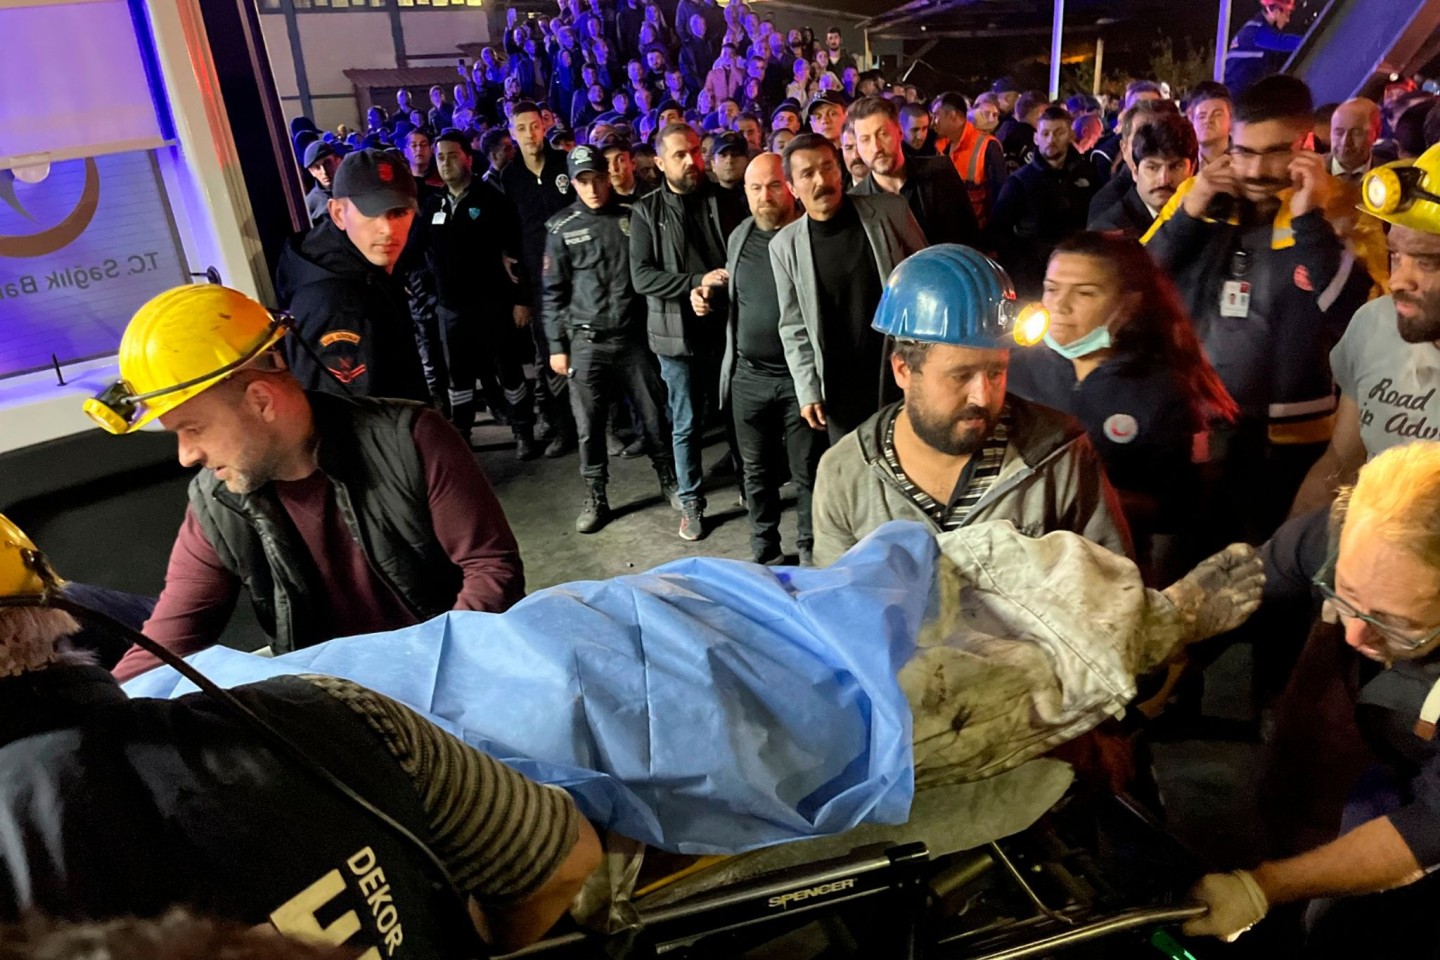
[[367, 449], [112, 807]]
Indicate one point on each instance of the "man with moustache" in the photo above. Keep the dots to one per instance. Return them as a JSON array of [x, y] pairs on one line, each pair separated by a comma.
[[935, 192], [769, 430], [1271, 288], [1387, 364], [830, 266], [677, 243], [956, 450], [855, 166], [1162, 153]]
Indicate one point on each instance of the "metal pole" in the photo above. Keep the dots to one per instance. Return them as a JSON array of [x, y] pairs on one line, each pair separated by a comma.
[[1099, 63], [869, 60], [1222, 40], [1057, 29]]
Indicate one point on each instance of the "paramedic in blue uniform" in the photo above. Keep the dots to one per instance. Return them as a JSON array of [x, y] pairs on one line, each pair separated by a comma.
[[1122, 358], [1261, 46]]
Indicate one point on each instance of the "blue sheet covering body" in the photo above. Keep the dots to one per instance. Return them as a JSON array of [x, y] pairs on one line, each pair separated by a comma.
[[707, 706]]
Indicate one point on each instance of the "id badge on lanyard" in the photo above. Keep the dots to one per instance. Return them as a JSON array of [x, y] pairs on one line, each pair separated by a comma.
[[1235, 292]]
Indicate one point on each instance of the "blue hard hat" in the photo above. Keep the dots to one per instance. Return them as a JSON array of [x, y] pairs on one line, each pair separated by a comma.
[[956, 295]]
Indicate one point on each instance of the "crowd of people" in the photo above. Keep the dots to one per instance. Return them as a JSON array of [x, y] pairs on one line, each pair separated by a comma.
[[1162, 324]]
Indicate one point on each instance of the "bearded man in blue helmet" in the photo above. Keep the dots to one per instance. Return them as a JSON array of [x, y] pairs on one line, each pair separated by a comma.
[[956, 449]]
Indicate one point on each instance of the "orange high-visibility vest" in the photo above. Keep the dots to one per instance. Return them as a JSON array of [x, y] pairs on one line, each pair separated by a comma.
[[968, 155]]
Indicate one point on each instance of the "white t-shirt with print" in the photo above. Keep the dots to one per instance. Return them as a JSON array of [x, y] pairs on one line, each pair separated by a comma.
[[1395, 385]]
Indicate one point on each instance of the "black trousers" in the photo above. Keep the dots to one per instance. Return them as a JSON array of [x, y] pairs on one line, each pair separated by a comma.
[[770, 433], [604, 373], [552, 391], [484, 348]]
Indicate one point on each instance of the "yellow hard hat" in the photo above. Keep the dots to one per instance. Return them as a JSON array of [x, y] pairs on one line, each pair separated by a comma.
[[20, 566], [1406, 192], [179, 344]]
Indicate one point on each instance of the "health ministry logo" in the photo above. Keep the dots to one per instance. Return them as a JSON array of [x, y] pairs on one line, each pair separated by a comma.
[[64, 233]]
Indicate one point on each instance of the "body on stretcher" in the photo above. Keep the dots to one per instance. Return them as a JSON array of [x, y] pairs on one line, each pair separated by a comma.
[[718, 707]]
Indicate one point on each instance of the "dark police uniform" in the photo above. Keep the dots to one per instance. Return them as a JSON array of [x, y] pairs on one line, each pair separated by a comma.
[[593, 313], [537, 199], [465, 241]]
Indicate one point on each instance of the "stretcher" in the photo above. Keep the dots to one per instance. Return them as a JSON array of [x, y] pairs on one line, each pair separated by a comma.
[[1088, 875]]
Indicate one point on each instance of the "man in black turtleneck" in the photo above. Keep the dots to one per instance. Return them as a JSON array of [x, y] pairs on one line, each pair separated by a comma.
[[830, 267]]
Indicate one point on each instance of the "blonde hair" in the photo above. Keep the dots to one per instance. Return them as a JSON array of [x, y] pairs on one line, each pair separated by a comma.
[[1396, 498]]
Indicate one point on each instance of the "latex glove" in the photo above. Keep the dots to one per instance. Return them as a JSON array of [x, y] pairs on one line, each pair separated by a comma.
[[1236, 904], [1219, 594]]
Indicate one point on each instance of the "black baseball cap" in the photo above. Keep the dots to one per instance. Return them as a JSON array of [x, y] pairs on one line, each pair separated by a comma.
[[375, 181], [787, 105], [728, 141], [830, 97], [669, 105], [614, 141], [1005, 85], [585, 159], [316, 152]]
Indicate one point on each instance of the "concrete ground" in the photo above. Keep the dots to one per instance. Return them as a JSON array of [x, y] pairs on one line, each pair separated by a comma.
[[542, 498]]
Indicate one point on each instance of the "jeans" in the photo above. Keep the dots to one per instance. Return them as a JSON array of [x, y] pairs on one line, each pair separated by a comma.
[[768, 426], [693, 384], [605, 372]]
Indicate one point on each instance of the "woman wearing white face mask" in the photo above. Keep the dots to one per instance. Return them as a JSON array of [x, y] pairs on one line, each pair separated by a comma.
[[1122, 358]]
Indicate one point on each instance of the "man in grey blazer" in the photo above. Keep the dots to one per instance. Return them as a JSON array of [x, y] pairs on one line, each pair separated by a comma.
[[830, 268]]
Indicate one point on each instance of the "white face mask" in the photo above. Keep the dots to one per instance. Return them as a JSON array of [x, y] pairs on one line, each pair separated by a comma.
[[1092, 342]]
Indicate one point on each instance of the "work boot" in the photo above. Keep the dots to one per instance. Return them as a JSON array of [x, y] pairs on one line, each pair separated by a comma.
[[692, 521], [596, 512], [563, 443], [525, 448], [770, 555], [669, 486]]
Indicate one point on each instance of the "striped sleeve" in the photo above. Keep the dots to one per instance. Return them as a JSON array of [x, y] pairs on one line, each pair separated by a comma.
[[500, 834]]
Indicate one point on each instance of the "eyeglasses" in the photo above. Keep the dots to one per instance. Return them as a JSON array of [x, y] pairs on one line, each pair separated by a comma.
[[1403, 640]]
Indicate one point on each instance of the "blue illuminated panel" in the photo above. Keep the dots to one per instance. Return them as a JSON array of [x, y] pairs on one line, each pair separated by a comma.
[[79, 252]]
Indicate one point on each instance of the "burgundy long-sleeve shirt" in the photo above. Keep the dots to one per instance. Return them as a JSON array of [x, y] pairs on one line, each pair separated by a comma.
[[200, 593]]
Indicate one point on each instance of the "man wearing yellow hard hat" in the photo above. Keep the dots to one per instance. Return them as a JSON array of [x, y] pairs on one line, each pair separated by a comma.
[[335, 515], [198, 801], [1388, 362]]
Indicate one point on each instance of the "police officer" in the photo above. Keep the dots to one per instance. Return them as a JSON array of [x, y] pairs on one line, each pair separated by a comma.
[[468, 232], [596, 327], [537, 183], [1261, 46]]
